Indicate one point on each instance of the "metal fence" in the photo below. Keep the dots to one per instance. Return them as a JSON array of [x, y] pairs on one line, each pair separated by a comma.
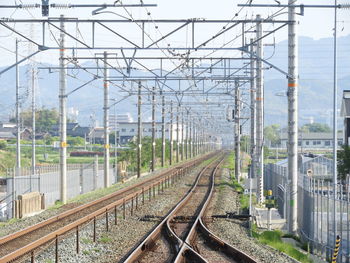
[[318, 207], [81, 178]]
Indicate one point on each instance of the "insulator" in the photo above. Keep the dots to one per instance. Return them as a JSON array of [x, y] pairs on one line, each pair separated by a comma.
[[345, 6], [29, 6], [61, 6]]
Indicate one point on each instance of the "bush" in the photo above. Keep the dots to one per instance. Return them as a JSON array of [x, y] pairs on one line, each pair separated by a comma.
[[3, 145]]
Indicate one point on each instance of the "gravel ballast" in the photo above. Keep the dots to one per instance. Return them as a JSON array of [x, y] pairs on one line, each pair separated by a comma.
[[112, 246], [232, 231]]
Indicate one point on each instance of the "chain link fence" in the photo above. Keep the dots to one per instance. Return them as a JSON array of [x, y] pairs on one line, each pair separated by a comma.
[[320, 211]]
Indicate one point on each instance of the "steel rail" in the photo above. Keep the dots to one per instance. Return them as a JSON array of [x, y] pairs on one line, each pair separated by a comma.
[[189, 244], [121, 194], [150, 239]]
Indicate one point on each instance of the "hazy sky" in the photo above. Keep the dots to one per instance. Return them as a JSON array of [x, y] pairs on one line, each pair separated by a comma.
[[317, 23]]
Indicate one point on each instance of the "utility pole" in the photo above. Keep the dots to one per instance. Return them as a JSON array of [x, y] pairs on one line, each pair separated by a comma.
[[63, 116], [139, 145], [153, 129], [293, 115], [187, 124], [252, 172], [163, 128], [252, 112], [182, 137], [177, 134], [115, 144], [106, 122], [18, 118], [260, 113], [238, 132], [195, 140], [171, 133], [33, 128], [191, 139], [335, 122]]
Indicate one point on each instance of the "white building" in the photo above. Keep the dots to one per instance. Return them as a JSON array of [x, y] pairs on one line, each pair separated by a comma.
[[313, 140], [128, 130]]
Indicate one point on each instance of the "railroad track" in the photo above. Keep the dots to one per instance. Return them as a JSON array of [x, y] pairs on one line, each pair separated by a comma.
[[27, 242], [182, 235]]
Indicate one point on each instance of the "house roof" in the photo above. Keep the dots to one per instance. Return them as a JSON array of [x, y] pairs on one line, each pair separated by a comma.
[[80, 131]]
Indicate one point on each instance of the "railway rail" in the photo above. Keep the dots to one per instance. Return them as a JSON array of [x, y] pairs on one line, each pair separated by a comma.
[[182, 235], [27, 242]]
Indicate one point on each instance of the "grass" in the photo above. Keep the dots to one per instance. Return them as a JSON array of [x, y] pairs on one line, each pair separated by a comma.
[[86, 240], [105, 239], [58, 204], [230, 162], [274, 239]]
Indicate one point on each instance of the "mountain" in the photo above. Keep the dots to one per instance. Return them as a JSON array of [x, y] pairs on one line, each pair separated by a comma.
[[315, 92]]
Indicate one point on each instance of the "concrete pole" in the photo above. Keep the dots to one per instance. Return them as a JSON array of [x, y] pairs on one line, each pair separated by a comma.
[[335, 121], [237, 132], [195, 140], [63, 117], [33, 128], [252, 112], [259, 114], [153, 165], [171, 134], [182, 137], [139, 144], [18, 117], [293, 115], [177, 134], [115, 144], [106, 122], [187, 124], [191, 139], [163, 129]]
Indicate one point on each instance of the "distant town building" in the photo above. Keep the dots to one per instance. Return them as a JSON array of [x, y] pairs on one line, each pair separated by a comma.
[[313, 140], [119, 118], [73, 129], [128, 130], [345, 113]]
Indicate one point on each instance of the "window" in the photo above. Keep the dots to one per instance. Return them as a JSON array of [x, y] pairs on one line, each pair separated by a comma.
[[314, 142], [307, 142], [132, 130], [327, 143], [299, 143], [123, 130], [340, 143], [318, 142]]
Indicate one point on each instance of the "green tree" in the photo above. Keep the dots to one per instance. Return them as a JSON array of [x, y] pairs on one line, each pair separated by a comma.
[[271, 133], [44, 119], [343, 162], [75, 141], [315, 127], [3, 145]]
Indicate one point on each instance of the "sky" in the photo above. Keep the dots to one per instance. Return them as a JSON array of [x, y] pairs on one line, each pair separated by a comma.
[[316, 23]]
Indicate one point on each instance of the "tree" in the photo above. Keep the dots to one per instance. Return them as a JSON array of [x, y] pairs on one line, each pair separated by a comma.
[[315, 127], [75, 141], [271, 133], [343, 162], [44, 119]]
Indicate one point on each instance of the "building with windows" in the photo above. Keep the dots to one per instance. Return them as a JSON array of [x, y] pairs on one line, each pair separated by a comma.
[[128, 131], [313, 140]]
